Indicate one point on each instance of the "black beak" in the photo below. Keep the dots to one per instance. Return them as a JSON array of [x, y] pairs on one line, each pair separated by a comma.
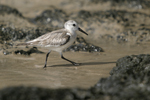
[[82, 31]]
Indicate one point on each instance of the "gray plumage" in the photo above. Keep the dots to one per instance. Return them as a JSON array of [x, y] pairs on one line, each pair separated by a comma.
[[55, 38]]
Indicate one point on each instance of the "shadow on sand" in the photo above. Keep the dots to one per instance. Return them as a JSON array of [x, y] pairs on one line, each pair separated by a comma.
[[81, 64]]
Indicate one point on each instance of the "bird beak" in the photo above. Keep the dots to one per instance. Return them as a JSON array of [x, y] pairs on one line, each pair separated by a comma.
[[82, 31]]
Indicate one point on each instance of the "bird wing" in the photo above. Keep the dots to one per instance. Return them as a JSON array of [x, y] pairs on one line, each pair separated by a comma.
[[55, 38]]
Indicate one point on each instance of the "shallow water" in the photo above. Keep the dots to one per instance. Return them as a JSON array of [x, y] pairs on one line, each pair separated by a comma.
[[21, 70], [27, 70]]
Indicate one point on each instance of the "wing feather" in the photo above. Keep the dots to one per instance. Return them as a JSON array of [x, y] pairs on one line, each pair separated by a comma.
[[55, 38]]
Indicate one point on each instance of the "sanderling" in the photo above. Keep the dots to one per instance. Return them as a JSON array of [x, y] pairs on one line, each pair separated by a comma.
[[58, 40]]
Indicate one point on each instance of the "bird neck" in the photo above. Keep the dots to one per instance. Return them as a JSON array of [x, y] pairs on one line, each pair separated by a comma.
[[71, 31]]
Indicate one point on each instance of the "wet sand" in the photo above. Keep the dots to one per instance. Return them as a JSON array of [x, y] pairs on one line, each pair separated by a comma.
[[27, 70], [19, 70]]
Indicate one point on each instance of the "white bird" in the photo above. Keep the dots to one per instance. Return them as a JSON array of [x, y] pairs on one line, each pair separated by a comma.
[[57, 40]]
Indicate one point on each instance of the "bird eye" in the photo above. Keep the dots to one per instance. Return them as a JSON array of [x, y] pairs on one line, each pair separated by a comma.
[[74, 24]]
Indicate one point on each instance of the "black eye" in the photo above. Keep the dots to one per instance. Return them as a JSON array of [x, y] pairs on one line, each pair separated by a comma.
[[74, 24]]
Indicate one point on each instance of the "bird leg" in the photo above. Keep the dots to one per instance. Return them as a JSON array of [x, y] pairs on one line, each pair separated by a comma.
[[46, 59], [74, 63]]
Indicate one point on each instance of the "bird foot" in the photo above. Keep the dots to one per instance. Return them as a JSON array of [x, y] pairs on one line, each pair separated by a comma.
[[44, 67], [76, 64]]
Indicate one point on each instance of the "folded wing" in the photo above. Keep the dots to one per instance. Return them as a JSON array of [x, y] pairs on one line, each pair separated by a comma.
[[55, 38]]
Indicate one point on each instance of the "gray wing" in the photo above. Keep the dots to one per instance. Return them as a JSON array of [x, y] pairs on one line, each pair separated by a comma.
[[55, 38]]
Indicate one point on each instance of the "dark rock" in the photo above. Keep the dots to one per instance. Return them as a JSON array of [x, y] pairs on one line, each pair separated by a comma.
[[5, 52], [8, 10], [138, 4], [84, 14], [82, 45], [8, 33], [32, 50], [134, 64], [54, 18], [35, 93], [128, 80], [122, 37], [123, 87]]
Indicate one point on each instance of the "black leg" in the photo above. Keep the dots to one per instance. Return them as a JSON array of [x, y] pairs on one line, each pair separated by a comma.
[[46, 59], [76, 64]]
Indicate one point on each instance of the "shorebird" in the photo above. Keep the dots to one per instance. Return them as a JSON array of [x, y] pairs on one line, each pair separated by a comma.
[[58, 40]]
